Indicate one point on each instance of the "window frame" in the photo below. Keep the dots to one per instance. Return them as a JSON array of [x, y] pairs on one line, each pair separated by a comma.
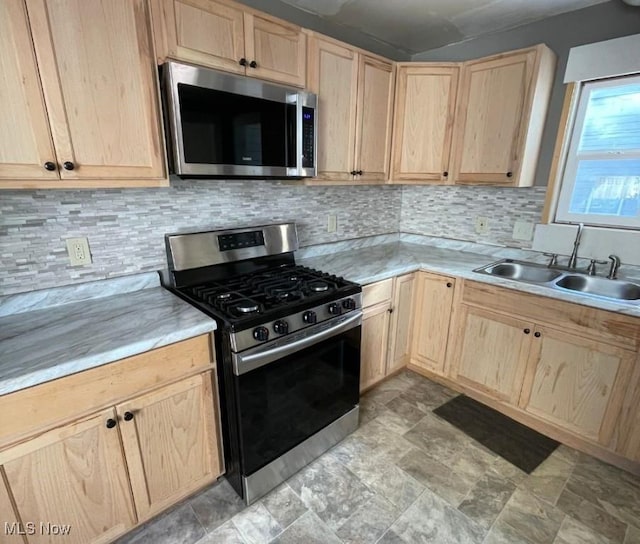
[[578, 99]]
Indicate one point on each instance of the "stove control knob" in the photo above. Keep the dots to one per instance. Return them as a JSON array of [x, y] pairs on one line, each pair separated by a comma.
[[281, 327], [309, 317], [335, 308], [349, 304], [261, 334]]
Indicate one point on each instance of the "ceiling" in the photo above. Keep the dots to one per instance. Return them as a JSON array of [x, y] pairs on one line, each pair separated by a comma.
[[415, 26]]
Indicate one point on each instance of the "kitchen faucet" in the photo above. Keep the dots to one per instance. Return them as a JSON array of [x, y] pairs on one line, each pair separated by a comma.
[[574, 254]]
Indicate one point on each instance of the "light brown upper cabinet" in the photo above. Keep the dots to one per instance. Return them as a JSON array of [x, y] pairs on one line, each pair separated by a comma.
[[355, 93], [26, 149], [96, 67], [232, 37], [500, 114], [425, 101]]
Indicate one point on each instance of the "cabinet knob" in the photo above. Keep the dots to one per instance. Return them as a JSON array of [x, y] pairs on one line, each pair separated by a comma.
[[51, 166], [353, 173], [242, 61], [509, 174], [390, 310], [445, 174], [449, 284], [537, 334], [253, 64], [111, 423], [128, 416], [527, 331], [68, 165], [359, 172]]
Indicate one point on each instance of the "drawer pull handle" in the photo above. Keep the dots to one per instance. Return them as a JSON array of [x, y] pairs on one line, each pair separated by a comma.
[[449, 284]]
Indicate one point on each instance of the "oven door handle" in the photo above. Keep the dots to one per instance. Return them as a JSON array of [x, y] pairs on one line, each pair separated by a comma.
[[248, 361]]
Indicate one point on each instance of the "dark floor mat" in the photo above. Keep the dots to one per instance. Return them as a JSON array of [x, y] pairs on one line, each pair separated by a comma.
[[520, 445]]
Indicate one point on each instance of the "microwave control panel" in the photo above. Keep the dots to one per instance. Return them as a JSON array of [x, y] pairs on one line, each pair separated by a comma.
[[308, 131]]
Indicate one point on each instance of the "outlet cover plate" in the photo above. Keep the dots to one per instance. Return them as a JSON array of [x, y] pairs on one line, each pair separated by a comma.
[[78, 250], [332, 222], [482, 225]]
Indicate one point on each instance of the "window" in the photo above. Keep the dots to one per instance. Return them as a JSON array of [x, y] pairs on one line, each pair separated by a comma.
[[601, 179]]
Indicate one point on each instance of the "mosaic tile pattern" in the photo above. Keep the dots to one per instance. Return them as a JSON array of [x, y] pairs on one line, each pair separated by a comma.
[[406, 476], [126, 227], [450, 212]]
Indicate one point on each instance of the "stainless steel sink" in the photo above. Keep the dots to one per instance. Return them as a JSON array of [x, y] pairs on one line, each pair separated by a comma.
[[523, 271], [591, 285], [566, 280]]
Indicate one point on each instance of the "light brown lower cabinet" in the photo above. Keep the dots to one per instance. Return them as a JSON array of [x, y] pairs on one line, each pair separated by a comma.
[[106, 472], [71, 476], [576, 383], [375, 334], [491, 352], [386, 328], [431, 321]]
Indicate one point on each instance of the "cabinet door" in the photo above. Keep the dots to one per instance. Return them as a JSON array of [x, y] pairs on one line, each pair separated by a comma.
[[73, 476], [423, 122], [333, 76], [373, 123], [170, 439], [278, 48], [12, 528], [206, 32], [375, 334], [24, 130], [434, 300], [492, 354], [576, 383], [401, 323], [491, 106], [99, 78]]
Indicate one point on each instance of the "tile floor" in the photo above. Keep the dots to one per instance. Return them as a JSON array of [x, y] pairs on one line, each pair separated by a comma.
[[406, 476]]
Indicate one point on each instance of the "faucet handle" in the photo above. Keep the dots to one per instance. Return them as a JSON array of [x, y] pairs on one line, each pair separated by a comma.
[[554, 258], [591, 269]]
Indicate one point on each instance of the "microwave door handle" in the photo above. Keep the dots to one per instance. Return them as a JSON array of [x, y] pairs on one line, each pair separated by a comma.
[[298, 137], [245, 362]]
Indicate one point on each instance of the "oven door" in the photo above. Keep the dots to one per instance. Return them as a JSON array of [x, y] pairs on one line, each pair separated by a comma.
[[287, 393]]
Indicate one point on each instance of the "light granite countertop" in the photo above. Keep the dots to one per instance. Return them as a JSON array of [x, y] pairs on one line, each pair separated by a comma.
[[370, 264], [46, 343]]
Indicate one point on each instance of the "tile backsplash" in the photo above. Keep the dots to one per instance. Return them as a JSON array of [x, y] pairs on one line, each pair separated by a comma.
[[126, 227], [450, 212]]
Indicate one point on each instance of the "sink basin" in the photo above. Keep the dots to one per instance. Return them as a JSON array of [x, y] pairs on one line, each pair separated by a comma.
[[621, 290], [523, 272]]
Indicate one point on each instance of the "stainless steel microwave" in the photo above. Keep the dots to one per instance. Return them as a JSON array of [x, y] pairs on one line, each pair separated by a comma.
[[223, 125]]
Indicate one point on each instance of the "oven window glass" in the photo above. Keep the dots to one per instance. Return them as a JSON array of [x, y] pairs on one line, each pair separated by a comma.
[[284, 402], [225, 128]]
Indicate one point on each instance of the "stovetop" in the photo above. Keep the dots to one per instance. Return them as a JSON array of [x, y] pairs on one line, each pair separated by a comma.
[[250, 299]]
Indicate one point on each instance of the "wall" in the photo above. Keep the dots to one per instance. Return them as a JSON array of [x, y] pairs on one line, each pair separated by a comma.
[[601, 22], [126, 228], [450, 212]]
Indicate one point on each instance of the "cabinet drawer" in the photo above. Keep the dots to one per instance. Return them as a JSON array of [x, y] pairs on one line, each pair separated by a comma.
[[610, 327], [36, 408], [375, 293]]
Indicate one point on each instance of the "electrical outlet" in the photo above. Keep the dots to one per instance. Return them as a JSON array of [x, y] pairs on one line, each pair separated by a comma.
[[332, 222], [78, 250], [523, 230], [482, 225]]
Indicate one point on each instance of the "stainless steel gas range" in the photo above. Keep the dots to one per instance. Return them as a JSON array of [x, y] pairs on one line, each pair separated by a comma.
[[287, 345]]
